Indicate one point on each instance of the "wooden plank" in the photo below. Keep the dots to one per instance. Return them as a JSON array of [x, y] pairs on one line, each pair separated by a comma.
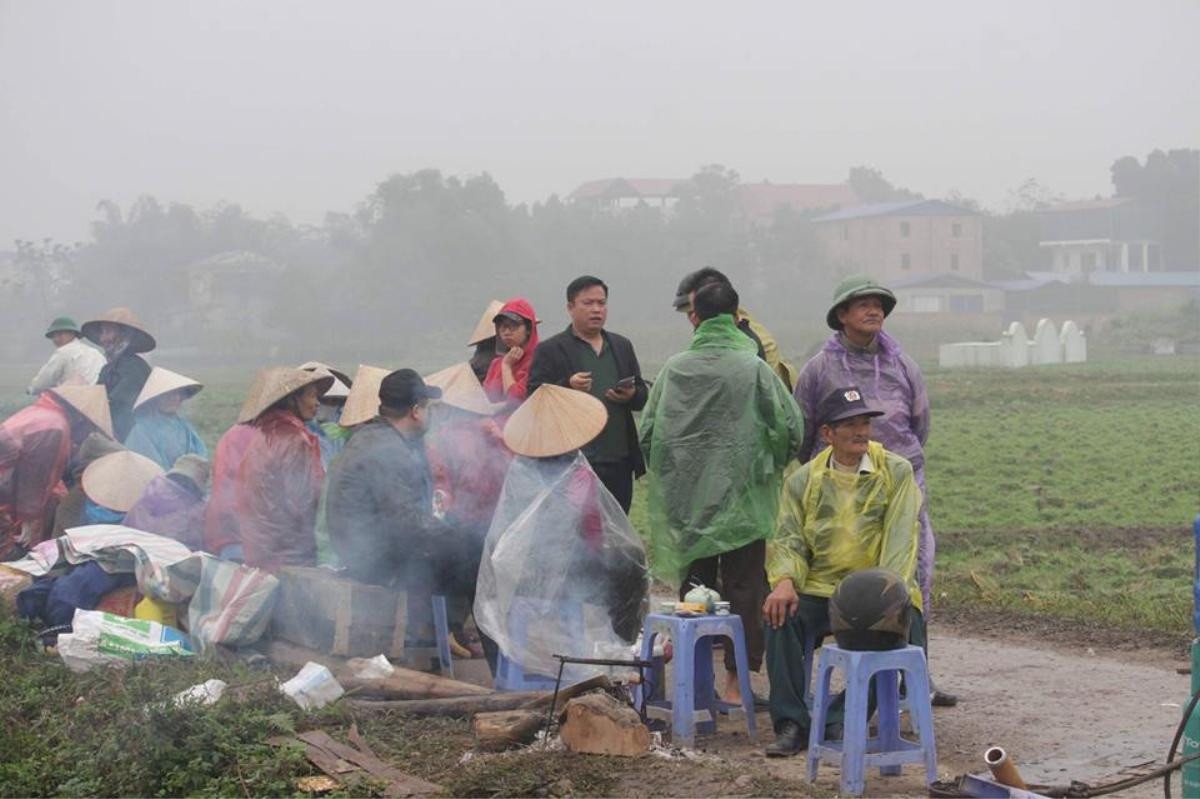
[[400, 783]]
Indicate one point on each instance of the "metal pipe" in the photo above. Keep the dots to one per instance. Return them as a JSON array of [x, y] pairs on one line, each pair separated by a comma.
[[1003, 768]]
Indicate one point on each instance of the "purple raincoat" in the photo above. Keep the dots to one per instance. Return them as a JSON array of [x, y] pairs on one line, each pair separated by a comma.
[[893, 382], [171, 509]]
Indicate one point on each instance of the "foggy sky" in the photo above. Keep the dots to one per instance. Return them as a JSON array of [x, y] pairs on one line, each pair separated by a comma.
[[301, 107]]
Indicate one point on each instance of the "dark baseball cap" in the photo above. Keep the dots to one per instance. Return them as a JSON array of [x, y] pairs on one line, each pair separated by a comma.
[[508, 316], [845, 403], [404, 388]]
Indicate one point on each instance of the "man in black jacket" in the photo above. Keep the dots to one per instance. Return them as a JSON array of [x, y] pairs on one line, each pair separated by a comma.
[[586, 357], [379, 505]]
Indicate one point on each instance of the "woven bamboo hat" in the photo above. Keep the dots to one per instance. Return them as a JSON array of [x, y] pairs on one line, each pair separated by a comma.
[[554, 421], [276, 383], [140, 340], [337, 393], [362, 403], [461, 388], [194, 468], [118, 480], [164, 381], [342, 377], [91, 402], [486, 328]]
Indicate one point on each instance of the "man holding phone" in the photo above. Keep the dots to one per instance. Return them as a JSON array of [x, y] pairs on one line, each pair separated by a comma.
[[586, 357]]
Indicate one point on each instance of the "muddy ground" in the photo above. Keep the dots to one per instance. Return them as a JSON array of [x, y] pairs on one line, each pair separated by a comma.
[[1067, 703]]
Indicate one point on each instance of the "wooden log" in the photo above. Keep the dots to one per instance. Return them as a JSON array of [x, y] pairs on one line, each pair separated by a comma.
[[460, 706], [600, 725], [495, 732], [401, 684]]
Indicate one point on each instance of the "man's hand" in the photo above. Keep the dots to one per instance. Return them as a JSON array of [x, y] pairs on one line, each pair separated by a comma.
[[581, 381], [620, 394], [513, 355], [781, 604]]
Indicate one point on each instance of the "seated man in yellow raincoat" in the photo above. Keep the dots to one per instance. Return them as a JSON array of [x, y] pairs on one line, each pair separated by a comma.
[[854, 506]]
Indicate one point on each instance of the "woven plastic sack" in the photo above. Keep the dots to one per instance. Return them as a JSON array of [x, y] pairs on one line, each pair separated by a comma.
[[98, 639]]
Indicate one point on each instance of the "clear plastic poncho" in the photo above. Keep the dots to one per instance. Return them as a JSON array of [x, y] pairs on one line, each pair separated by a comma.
[[563, 571], [833, 523]]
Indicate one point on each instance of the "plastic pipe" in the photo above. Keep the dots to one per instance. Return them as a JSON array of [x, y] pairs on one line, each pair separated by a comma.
[[1003, 768]]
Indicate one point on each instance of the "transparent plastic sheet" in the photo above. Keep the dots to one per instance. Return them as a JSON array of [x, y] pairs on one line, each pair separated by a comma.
[[832, 523], [563, 570]]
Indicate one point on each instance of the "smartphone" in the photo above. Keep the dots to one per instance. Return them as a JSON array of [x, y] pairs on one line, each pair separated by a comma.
[[626, 382]]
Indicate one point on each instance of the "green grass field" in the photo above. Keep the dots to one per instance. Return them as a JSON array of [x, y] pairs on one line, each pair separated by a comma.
[[1064, 490]]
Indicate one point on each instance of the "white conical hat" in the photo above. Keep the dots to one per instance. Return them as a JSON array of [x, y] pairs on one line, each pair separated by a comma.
[[487, 327], [118, 480], [163, 381], [91, 402], [342, 377], [553, 421], [461, 388], [362, 403], [277, 382]]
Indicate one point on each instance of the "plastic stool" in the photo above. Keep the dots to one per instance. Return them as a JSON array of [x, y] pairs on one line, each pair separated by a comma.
[[510, 674], [694, 705], [441, 628], [856, 752]]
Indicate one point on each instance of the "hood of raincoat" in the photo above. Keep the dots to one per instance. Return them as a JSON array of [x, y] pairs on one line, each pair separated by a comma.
[[563, 570], [887, 378], [493, 383], [717, 432], [833, 523], [169, 508]]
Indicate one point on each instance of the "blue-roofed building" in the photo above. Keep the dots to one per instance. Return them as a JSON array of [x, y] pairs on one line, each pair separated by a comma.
[[897, 240]]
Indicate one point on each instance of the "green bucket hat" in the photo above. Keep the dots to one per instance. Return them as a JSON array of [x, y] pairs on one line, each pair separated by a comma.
[[858, 286], [63, 324]]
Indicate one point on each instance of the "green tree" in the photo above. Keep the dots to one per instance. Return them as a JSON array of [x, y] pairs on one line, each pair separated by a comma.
[[1169, 184]]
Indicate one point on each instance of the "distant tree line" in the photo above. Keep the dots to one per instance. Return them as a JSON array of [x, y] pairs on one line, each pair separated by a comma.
[[424, 251]]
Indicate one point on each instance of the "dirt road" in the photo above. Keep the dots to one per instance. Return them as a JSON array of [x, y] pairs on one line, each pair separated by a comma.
[[1063, 711]]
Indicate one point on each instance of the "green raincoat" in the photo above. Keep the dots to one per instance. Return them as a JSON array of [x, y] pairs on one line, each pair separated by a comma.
[[717, 431], [833, 523]]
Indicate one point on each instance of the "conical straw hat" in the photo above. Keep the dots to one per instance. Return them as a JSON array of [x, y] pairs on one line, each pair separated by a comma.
[[140, 340], [342, 377], [486, 328], [118, 480], [91, 402], [278, 382], [553, 421], [362, 403], [460, 388], [163, 381]]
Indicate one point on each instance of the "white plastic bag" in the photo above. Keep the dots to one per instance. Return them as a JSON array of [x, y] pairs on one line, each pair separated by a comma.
[[313, 686], [206, 693], [375, 668], [99, 638]]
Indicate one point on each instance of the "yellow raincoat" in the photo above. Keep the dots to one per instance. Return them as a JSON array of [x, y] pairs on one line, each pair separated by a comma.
[[833, 523]]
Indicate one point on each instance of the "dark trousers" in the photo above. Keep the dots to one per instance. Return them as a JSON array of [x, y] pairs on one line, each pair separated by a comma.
[[785, 661], [617, 477], [741, 578]]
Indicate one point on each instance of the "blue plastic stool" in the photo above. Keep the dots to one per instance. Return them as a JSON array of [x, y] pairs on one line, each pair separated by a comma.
[[694, 705], [510, 674], [856, 752]]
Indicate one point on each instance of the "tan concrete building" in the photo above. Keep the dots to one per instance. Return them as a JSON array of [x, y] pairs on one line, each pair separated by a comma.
[[893, 241]]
